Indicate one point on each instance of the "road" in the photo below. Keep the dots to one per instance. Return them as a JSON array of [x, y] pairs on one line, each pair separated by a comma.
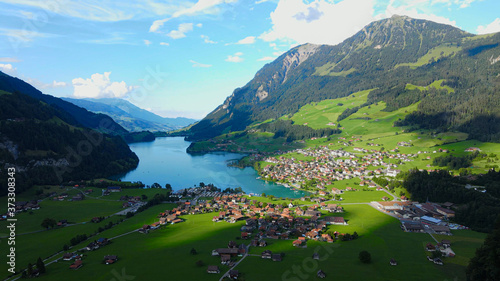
[[236, 264]]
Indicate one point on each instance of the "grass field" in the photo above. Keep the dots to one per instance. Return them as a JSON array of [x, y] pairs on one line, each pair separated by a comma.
[[433, 55], [380, 235], [436, 85], [165, 251], [319, 115]]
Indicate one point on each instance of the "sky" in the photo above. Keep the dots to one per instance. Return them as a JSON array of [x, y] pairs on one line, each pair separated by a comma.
[[183, 58]]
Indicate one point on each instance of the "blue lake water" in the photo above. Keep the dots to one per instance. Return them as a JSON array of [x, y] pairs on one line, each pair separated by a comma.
[[165, 161]]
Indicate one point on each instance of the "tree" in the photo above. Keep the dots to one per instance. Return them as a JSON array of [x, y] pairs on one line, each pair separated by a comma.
[[155, 185], [65, 247], [144, 197], [365, 257], [30, 270], [40, 265], [486, 264], [202, 184], [193, 251], [168, 187], [48, 223], [263, 195]]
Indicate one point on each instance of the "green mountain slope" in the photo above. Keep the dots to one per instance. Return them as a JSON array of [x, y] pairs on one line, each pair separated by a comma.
[[79, 115], [46, 145], [387, 56]]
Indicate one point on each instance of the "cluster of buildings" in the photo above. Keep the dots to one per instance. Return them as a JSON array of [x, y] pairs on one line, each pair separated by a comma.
[[329, 165], [420, 217]]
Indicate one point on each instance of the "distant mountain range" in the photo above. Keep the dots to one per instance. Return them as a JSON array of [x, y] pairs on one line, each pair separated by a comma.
[[50, 141], [131, 117], [389, 56]]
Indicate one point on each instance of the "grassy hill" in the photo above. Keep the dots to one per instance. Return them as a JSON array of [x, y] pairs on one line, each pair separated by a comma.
[[400, 61]]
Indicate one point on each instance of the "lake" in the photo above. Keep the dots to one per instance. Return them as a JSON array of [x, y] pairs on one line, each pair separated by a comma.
[[165, 161]]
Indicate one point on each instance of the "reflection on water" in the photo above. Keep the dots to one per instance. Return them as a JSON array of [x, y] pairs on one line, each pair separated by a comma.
[[165, 161]]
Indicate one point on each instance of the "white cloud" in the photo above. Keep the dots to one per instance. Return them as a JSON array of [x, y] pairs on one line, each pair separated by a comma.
[[164, 44], [261, 1], [197, 64], [94, 10], [415, 9], [199, 25], [235, 58], [200, 7], [40, 85], [181, 31], [99, 86], [207, 40], [102, 10], [56, 84], [331, 22], [7, 59], [21, 35], [319, 22], [157, 24], [8, 68], [147, 42], [247, 40], [493, 27], [266, 59]]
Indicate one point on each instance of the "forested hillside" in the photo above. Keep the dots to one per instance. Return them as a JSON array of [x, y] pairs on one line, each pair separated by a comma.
[[79, 115], [400, 58], [47, 146]]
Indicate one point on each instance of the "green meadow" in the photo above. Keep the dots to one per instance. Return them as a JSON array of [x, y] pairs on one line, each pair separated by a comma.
[[433, 55]]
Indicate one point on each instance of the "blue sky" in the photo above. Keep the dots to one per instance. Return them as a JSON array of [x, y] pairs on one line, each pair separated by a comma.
[[183, 58]]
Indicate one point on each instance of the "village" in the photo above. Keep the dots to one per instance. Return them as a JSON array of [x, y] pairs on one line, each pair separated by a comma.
[[331, 165]]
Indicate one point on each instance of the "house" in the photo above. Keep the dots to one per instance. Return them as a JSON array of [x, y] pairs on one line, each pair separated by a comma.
[[430, 220], [392, 172], [310, 213], [233, 274], [393, 262], [445, 212], [441, 229], [430, 248], [262, 243], [102, 241], [92, 246], [225, 258], [267, 254], [110, 259], [321, 274], [233, 251], [445, 243], [213, 269], [335, 220], [277, 257], [69, 256], [76, 265]]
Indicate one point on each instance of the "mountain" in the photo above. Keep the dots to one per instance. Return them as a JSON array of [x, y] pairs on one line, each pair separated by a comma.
[[79, 115], [130, 116], [46, 145], [389, 57]]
